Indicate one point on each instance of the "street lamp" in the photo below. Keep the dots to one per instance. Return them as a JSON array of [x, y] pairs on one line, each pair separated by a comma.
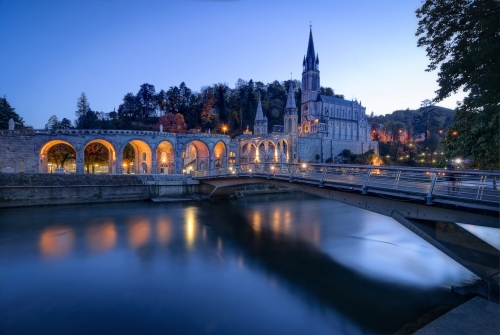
[[224, 129]]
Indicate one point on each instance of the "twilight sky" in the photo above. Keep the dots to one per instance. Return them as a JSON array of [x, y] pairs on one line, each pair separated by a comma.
[[51, 51]]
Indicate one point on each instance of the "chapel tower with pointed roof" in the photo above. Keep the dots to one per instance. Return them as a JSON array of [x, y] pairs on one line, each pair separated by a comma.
[[260, 123], [310, 81]]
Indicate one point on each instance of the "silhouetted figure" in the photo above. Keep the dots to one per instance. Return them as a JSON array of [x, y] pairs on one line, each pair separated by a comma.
[[452, 181]]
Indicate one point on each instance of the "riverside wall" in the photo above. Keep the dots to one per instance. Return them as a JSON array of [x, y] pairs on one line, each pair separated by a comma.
[[20, 189]]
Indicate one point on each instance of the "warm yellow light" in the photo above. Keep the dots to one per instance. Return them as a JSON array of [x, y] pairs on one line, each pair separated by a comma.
[[304, 165]]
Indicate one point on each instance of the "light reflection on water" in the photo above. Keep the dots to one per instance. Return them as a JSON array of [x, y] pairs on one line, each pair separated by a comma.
[[56, 241], [297, 264]]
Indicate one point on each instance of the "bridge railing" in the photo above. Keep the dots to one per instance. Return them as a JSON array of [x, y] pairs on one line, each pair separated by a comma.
[[466, 187]]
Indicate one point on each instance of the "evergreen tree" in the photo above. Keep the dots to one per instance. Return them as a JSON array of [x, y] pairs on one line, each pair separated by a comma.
[[7, 113], [82, 105]]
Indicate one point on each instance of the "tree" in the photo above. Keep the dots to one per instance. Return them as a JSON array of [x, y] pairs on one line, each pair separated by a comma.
[[52, 123], [475, 136], [82, 105], [147, 99], [207, 116], [60, 154], [65, 124], [128, 156], [461, 37], [88, 121], [173, 123], [7, 113], [427, 121], [95, 153]]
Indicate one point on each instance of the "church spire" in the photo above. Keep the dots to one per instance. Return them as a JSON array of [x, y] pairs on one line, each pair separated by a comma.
[[290, 100], [310, 47], [259, 116]]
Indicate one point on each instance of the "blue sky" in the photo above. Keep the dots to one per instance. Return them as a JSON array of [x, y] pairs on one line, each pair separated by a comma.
[[51, 51]]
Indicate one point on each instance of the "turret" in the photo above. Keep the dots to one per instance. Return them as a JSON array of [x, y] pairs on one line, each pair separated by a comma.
[[260, 123]]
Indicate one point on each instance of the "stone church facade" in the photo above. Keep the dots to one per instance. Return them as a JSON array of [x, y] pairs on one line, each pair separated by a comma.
[[328, 125]]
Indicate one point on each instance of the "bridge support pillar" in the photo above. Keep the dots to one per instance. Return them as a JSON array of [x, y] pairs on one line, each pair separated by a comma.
[[119, 163], [153, 167], [80, 160]]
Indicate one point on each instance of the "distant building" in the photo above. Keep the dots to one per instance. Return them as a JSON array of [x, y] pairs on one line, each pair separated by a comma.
[[328, 125]]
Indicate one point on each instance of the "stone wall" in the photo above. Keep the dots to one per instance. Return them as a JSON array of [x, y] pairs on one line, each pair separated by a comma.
[[17, 151], [18, 190], [326, 148]]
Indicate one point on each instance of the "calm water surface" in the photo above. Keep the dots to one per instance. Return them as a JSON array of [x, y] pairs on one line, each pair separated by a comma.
[[275, 264]]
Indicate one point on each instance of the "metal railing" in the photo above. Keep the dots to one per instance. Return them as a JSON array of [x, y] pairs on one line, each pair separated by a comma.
[[469, 188]]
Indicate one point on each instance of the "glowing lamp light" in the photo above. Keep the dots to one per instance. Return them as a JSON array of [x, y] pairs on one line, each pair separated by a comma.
[[272, 167], [455, 133], [304, 165], [458, 161]]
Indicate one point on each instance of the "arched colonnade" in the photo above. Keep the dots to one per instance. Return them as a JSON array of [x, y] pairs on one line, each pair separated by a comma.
[[264, 151], [132, 155]]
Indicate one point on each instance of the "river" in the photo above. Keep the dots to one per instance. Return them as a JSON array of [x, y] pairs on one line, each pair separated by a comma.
[[266, 264]]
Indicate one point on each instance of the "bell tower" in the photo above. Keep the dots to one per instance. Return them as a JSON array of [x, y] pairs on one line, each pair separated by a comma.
[[310, 81], [291, 121]]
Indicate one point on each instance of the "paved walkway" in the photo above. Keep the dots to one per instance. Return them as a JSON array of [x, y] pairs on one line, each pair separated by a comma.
[[475, 317]]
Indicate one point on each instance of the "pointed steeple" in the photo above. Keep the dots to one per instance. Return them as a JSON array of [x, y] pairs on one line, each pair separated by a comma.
[[310, 46], [259, 116], [290, 100]]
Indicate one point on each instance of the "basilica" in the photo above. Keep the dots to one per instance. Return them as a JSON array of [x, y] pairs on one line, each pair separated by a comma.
[[327, 125]]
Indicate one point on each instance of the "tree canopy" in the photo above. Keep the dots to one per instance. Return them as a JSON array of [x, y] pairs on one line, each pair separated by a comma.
[[6, 113], [462, 39]]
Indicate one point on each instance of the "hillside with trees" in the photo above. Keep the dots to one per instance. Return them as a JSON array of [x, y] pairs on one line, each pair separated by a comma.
[[412, 137]]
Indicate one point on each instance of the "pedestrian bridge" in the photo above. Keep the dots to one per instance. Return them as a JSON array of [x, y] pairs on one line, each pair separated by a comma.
[[429, 202]]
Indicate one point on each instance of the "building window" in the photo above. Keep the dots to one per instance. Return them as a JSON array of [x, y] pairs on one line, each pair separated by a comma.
[[342, 125], [349, 126], [143, 156], [336, 124]]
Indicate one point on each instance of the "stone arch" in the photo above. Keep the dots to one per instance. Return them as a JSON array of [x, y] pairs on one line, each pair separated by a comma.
[[44, 166], [196, 156], [165, 158], [220, 154], [282, 150], [249, 152], [143, 157], [111, 162], [267, 151]]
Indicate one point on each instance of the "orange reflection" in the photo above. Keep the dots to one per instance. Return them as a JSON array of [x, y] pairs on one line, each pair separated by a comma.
[[257, 222], [101, 237], [138, 232], [56, 241], [276, 221], [164, 230], [190, 227]]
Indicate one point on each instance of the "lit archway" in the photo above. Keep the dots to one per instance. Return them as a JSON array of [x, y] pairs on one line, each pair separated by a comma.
[[282, 151], [57, 156], [196, 156], [165, 158], [267, 152], [141, 161], [220, 154], [250, 153], [99, 157]]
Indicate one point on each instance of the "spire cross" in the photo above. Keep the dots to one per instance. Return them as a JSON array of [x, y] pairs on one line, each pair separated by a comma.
[[310, 24]]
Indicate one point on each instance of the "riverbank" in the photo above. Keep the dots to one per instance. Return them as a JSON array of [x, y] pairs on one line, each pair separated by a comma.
[[20, 190]]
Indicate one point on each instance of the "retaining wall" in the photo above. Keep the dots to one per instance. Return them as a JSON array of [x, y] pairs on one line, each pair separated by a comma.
[[20, 189]]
